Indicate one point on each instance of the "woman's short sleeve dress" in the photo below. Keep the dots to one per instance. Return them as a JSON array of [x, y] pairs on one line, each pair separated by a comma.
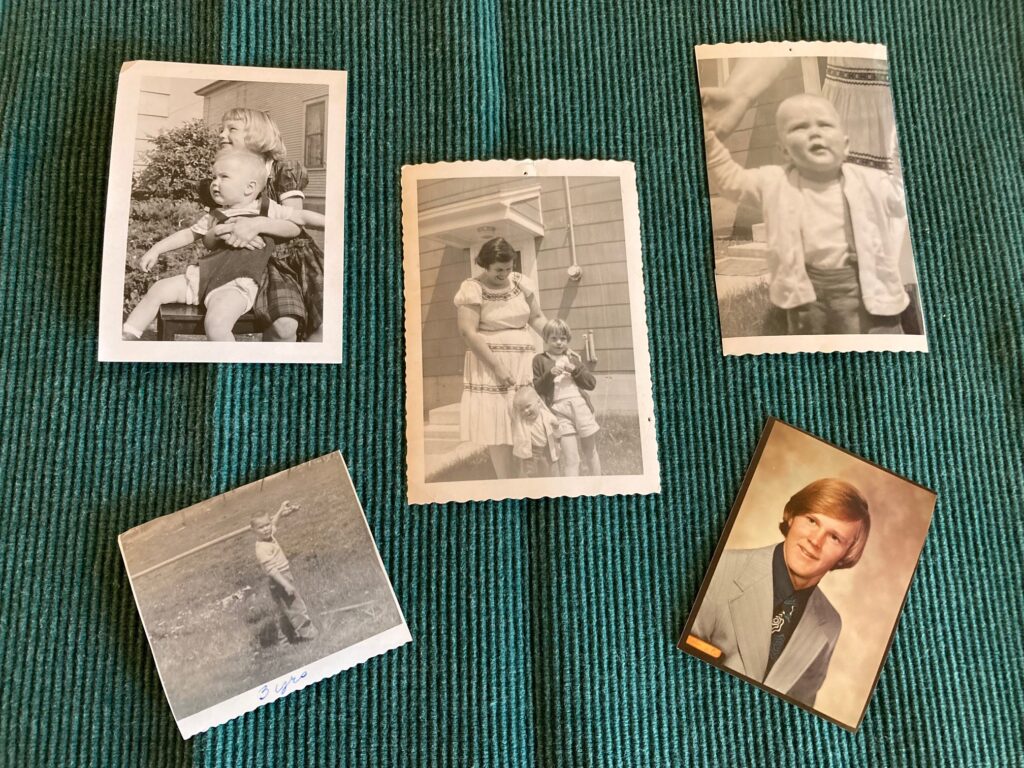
[[504, 325]]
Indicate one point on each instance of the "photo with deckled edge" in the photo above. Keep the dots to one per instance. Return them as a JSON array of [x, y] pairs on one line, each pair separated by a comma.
[[261, 591], [527, 363], [811, 240]]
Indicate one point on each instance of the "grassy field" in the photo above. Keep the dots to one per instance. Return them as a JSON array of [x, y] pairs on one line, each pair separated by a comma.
[[750, 313], [618, 445], [210, 617]]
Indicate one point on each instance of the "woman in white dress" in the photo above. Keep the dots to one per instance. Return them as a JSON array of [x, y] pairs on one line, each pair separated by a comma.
[[495, 313]]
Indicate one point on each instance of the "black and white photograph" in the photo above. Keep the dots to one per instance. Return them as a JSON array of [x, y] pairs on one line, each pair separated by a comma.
[[259, 592], [810, 233], [224, 227], [527, 363], [806, 587]]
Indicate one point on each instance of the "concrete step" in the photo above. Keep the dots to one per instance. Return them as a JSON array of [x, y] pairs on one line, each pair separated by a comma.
[[446, 414], [433, 447], [748, 250], [744, 259], [440, 438]]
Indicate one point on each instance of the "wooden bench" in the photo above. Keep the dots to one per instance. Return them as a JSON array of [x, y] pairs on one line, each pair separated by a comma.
[[187, 320]]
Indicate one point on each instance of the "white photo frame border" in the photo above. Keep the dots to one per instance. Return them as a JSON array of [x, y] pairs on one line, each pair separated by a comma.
[[758, 345], [111, 347], [421, 492], [247, 701]]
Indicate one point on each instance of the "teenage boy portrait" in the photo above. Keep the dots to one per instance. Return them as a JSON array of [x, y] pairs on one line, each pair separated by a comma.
[[764, 615]]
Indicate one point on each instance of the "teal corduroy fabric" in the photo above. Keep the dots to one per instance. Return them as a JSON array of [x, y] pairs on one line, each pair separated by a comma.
[[543, 631]]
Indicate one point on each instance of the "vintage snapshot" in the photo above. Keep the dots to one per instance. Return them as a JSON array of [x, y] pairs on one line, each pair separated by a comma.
[[261, 591], [527, 363], [224, 215], [809, 578], [811, 242]]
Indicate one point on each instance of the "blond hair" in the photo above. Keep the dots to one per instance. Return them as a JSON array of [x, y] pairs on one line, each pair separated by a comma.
[[557, 326], [261, 133], [836, 498], [254, 165]]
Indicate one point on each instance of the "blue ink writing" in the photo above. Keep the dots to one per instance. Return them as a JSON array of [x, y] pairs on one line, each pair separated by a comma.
[[280, 688]]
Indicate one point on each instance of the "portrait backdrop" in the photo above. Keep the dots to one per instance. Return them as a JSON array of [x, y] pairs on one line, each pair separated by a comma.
[[543, 632]]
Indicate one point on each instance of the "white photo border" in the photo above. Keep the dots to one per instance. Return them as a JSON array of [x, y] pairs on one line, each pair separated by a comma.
[[111, 347], [760, 345], [422, 492], [297, 679]]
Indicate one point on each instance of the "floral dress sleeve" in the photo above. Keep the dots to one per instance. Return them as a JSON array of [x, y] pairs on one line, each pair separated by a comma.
[[526, 285]]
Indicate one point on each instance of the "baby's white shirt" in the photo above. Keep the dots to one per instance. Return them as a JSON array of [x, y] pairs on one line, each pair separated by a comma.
[[825, 224]]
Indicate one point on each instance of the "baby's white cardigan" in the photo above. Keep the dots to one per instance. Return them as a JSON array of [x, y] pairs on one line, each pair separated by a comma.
[[874, 199]]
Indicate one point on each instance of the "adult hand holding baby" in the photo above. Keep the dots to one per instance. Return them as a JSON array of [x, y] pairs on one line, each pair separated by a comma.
[[501, 373], [240, 232]]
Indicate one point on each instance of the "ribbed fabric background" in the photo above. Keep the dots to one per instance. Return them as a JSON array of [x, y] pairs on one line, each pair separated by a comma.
[[543, 631]]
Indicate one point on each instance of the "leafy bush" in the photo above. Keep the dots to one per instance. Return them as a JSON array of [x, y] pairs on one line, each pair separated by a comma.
[[179, 160], [149, 222]]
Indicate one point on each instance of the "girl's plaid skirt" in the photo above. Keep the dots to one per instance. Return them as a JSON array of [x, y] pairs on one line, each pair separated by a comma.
[[293, 286]]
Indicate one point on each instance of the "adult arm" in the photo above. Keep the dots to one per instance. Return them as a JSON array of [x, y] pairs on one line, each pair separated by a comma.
[[173, 242], [469, 330], [537, 318], [725, 106], [242, 231]]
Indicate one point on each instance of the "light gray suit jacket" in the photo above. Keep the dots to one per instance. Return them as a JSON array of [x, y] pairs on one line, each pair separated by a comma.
[[736, 616]]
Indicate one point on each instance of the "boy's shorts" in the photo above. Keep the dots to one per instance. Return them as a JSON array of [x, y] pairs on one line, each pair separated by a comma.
[[245, 286], [574, 417]]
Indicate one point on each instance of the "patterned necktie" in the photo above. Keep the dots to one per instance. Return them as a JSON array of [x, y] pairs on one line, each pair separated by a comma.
[[780, 629]]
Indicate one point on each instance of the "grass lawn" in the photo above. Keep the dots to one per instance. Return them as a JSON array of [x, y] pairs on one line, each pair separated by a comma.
[[748, 312], [618, 444], [209, 616]]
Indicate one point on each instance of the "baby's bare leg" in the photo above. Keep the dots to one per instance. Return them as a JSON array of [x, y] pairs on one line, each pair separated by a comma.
[[223, 309], [170, 290], [588, 448]]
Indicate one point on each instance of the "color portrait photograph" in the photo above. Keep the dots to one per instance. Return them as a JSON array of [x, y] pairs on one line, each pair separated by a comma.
[[224, 215], [806, 587], [528, 372], [811, 235], [261, 591]]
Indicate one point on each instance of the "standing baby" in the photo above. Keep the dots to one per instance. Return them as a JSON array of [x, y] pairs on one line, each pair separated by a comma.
[[833, 263], [290, 605]]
